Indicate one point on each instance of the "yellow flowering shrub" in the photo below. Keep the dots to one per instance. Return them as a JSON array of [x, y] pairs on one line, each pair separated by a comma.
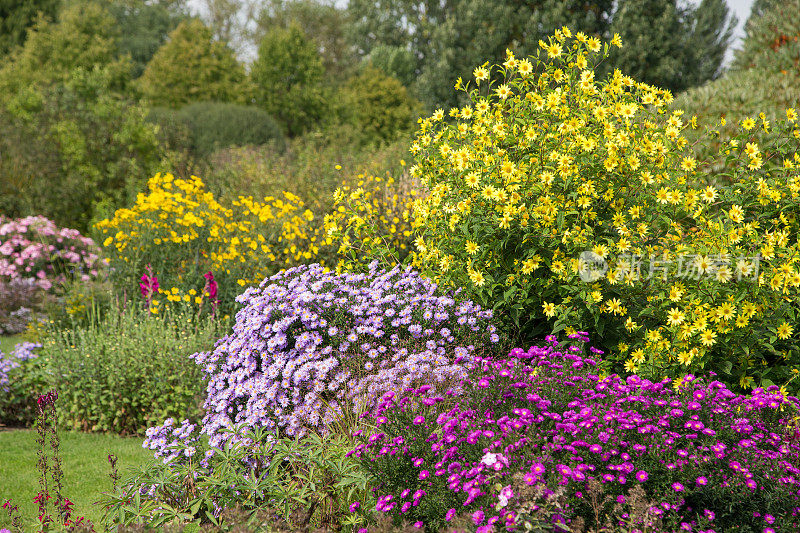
[[180, 229], [567, 202], [370, 221]]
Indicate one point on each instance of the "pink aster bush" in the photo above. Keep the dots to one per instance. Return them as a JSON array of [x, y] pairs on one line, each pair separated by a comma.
[[706, 458], [35, 248], [311, 347]]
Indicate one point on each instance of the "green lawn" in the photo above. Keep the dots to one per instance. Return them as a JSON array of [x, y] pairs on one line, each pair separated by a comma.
[[85, 468], [7, 342]]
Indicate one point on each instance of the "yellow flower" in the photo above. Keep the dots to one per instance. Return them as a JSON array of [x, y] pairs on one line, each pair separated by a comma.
[[784, 331], [480, 73], [525, 67], [637, 355], [477, 278], [630, 366], [554, 50], [616, 40], [471, 247], [791, 114], [675, 317], [748, 124], [736, 213], [708, 337], [503, 91], [549, 309]]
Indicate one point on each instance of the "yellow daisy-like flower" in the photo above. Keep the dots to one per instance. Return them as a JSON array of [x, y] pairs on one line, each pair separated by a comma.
[[709, 194], [784, 331], [736, 213], [503, 91], [481, 73], [675, 317], [791, 114], [637, 355], [553, 50], [748, 124], [525, 67], [593, 44], [630, 366], [616, 40], [471, 247], [708, 337], [549, 309], [477, 278]]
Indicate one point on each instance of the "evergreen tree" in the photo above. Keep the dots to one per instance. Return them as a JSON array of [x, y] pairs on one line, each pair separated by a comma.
[[671, 46], [192, 67], [144, 27], [287, 79], [447, 39]]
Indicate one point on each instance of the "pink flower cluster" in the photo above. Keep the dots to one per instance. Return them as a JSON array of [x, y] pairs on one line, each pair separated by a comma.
[[35, 248]]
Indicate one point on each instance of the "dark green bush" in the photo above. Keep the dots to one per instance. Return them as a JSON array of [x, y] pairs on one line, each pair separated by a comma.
[[205, 127]]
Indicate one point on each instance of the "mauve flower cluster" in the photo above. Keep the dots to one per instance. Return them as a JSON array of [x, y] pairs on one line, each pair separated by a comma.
[[703, 454], [35, 248], [22, 352], [308, 345]]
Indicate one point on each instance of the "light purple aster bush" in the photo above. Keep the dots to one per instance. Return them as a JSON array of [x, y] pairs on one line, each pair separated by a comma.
[[23, 351], [705, 456], [309, 345]]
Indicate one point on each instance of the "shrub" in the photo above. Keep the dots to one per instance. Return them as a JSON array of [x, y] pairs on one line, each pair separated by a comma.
[[547, 172], [215, 125], [287, 79], [184, 232], [379, 105], [34, 248], [129, 368], [703, 454], [370, 222], [211, 126], [310, 349], [311, 166]]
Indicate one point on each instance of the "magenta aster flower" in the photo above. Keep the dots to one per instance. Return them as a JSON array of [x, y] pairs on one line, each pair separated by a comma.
[[641, 476], [677, 487]]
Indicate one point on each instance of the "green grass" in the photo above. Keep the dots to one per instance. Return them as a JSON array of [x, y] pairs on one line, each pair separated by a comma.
[[84, 462], [7, 342]]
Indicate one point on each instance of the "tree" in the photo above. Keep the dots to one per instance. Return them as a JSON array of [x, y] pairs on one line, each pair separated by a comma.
[[671, 46], [323, 23], [74, 142], [192, 67], [379, 105], [144, 27], [287, 79], [448, 38], [16, 16], [772, 38]]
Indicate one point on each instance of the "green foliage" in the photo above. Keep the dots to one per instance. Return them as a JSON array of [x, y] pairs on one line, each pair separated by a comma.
[[75, 139], [312, 166], [394, 61], [379, 106], [16, 16], [771, 38], [143, 28], [128, 370], [83, 37], [288, 80], [447, 39], [205, 127], [323, 23], [669, 45], [192, 67], [271, 480]]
